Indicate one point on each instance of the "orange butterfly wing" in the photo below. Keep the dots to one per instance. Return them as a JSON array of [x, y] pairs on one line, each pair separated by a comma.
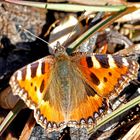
[[107, 74], [31, 81]]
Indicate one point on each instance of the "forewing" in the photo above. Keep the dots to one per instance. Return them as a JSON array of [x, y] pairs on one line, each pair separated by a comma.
[[107, 74], [31, 82]]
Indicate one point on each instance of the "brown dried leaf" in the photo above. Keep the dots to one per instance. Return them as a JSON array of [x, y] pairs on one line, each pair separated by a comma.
[[134, 133], [7, 99]]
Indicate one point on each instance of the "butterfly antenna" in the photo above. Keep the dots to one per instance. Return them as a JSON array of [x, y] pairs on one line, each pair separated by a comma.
[[22, 28], [72, 31]]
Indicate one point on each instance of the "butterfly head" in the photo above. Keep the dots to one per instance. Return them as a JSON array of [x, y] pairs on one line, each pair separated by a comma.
[[60, 50]]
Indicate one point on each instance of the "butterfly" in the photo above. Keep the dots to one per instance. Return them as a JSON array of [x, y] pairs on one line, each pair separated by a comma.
[[70, 90]]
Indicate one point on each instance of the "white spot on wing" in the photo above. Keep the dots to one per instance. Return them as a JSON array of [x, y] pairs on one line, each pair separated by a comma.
[[96, 64], [28, 74], [49, 125], [111, 61], [19, 75], [39, 68]]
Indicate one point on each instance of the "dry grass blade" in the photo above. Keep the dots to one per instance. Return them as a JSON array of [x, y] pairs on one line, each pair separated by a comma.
[[134, 133], [11, 115], [70, 7]]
